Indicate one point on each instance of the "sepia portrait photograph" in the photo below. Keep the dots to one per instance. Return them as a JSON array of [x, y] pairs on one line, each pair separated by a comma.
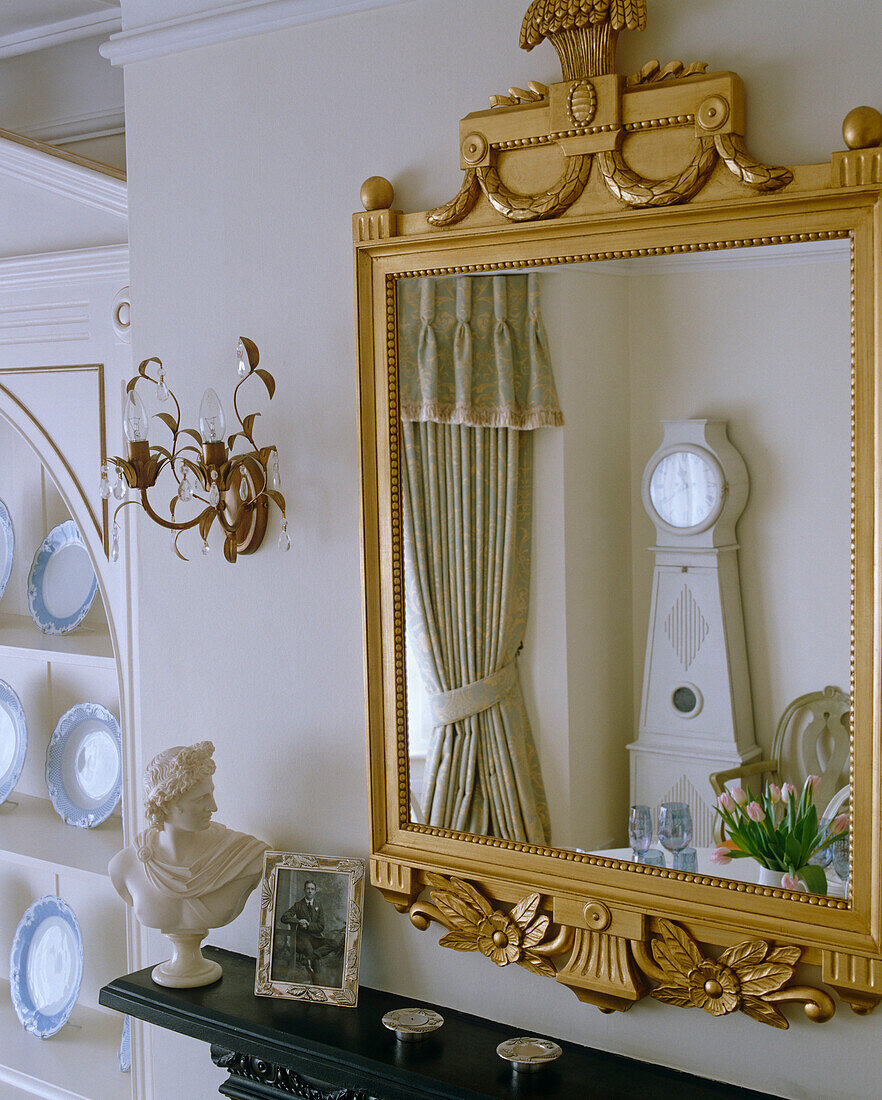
[[310, 928]]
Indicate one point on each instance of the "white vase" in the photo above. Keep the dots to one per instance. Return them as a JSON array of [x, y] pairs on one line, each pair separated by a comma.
[[767, 877]]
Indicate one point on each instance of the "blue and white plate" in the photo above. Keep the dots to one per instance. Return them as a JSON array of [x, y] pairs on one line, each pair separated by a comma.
[[62, 582], [125, 1046], [13, 739], [84, 765], [46, 966], [7, 546]]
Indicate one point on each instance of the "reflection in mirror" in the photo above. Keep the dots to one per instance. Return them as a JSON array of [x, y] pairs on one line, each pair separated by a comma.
[[535, 613]]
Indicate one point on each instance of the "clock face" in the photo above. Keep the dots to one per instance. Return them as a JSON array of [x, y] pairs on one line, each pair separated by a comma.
[[684, 489]]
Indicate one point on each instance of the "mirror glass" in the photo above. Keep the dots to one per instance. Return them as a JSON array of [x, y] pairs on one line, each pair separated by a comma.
[[533, 549]]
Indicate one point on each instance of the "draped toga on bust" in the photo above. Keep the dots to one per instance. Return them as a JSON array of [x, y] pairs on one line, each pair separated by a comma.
[[228, 856]]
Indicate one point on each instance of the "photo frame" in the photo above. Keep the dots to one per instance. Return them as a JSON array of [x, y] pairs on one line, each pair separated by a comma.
[[309, 942]]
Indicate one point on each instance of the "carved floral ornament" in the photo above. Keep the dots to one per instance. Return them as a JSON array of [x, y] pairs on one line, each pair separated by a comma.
[[751, 977]]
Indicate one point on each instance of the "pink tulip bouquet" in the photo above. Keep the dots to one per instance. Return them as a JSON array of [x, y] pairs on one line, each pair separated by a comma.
[[780, 830]]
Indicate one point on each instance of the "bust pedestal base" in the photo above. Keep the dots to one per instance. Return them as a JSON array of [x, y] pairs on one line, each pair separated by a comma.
[[186, 969]]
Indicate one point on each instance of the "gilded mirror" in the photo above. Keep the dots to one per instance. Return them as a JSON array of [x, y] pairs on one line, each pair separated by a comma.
[[618, 447]]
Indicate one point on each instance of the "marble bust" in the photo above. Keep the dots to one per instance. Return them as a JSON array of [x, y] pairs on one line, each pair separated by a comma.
[[185, 873]]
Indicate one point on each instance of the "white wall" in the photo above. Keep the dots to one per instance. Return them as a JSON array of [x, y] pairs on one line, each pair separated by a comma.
[[69, 96], [245, 162]]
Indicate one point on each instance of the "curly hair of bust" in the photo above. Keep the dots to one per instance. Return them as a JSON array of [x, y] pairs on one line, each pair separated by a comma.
[[172, 773]]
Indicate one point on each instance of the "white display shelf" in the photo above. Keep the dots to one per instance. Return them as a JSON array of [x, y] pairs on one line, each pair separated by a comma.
[[31, 832], [80, 1062], [88, 645]]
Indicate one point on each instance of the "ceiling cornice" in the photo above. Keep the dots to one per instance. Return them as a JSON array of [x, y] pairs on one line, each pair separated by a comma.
[[55, 34], [227, 22]]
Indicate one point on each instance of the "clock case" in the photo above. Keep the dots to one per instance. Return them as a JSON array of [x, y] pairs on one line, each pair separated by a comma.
[[695, 648]]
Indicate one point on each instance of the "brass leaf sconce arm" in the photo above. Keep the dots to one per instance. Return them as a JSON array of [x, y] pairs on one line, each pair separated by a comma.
[[235, 489]]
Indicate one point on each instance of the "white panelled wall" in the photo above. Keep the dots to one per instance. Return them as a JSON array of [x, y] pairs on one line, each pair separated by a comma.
[[245, 160]]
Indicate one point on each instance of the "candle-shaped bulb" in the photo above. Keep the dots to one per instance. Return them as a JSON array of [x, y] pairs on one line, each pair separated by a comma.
[[211, 418], [135, 419]]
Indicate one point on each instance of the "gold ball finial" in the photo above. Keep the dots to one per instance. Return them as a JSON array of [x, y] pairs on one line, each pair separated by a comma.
[[377, 193], [862, 128]]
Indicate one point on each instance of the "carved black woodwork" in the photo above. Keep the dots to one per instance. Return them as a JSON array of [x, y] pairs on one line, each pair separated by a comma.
[[276, 1048]]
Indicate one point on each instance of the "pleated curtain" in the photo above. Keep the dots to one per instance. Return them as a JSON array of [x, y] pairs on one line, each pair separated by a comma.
[[475, 381]]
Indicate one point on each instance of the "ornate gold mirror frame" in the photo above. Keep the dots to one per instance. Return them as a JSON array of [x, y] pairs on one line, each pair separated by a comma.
[[611, 932]]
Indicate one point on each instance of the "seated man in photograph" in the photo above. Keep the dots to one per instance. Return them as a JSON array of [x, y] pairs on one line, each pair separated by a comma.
[[309, 920]]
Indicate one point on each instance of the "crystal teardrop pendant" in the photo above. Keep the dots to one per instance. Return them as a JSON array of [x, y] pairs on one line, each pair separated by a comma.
[[213, 495], [243, 489], [161, 388], [104, 484], [185, 489], [242, 364], [120, 490], [275, 479], [284, 540], [114, 544], [205, 547]]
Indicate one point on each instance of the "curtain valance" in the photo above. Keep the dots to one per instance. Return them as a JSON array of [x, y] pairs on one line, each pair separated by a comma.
[[500, 375]]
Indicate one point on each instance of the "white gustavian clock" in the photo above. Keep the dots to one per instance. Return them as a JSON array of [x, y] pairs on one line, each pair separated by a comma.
[[696, 715]]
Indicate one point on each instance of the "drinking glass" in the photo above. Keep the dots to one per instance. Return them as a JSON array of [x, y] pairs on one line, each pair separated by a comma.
[[839, 849], [674, 825], [640, 830], [824, 857]]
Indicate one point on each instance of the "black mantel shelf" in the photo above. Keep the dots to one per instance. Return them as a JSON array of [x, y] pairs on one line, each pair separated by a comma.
[[274, 1048]]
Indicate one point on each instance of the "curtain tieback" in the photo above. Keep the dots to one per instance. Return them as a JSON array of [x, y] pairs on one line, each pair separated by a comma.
[[452, 706]]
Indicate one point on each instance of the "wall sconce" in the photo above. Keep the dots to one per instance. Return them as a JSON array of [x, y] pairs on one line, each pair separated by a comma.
[[235, 488]]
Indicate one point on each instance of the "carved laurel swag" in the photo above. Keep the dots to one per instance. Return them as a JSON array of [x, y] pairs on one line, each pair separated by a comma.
[[475, 925], [626, 185]]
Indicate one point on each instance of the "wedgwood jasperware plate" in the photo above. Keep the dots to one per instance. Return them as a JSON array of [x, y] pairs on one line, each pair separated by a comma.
[[46, 966], [83, 765], [62, 582], [125, 1046], [13, 739], [7, 546]]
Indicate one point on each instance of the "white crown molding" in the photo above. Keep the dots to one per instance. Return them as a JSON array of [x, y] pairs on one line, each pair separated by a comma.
[[55, 34], [231, 21], [62, 176], [110, 261], [95, 124]]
